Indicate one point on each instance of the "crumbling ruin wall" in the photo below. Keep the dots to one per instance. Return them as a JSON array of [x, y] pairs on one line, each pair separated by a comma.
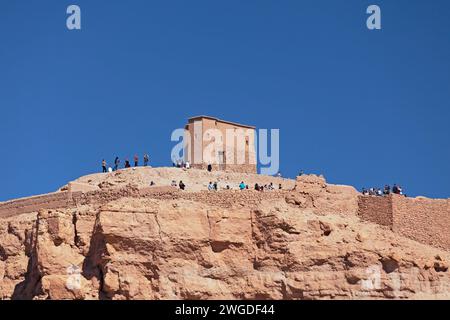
[[68, 199]]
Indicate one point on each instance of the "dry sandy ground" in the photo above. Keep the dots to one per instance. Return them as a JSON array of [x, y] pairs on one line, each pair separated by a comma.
[[194, 179]]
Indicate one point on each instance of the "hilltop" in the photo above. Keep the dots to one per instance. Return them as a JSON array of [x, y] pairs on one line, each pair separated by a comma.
[[112, 236], [195, 179]]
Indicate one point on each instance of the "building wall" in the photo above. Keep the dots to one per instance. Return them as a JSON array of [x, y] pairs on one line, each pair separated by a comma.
[[230, 149], [190, 142]]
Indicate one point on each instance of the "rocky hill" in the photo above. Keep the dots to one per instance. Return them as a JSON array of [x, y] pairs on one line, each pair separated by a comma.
[[125, 240]]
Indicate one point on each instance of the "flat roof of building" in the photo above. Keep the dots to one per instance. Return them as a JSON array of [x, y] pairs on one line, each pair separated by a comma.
[[223, 121]]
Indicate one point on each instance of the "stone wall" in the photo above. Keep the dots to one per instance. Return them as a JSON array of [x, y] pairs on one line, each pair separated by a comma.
[[67, 199], [420, 219], [105, 196], [233, 198], [376, 209], [33, 204], [423, 220]]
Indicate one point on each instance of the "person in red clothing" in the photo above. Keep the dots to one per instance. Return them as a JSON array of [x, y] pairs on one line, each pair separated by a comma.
[[136, 160]]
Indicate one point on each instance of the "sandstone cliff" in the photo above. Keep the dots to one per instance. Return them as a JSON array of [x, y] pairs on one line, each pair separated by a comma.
[[304, 243]]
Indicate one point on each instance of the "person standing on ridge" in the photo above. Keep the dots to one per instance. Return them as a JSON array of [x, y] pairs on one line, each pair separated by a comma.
[[146, 159], [395, 189], [104, 166], [116, 164], [136, 160]]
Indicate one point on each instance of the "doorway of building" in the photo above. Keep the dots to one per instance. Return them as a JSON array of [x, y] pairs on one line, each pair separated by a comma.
[[221, 160]]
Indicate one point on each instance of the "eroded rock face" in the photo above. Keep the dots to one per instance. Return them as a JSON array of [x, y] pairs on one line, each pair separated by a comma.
[[15, 250], [313, 192], [138, 248]]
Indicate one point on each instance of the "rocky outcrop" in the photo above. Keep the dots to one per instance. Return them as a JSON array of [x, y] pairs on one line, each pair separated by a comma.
[[313, 192], [306, 244]]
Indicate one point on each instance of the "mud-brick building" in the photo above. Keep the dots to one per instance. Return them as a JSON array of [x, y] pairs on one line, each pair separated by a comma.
[[225, 145]]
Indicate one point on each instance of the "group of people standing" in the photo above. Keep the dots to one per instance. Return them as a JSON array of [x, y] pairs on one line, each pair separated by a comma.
[[180, 185], [127, 164], [213, 186], [270, 186], [396, 189], [182, 164]]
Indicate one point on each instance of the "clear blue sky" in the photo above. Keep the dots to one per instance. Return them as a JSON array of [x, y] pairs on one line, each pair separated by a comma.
[[362, 107]]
